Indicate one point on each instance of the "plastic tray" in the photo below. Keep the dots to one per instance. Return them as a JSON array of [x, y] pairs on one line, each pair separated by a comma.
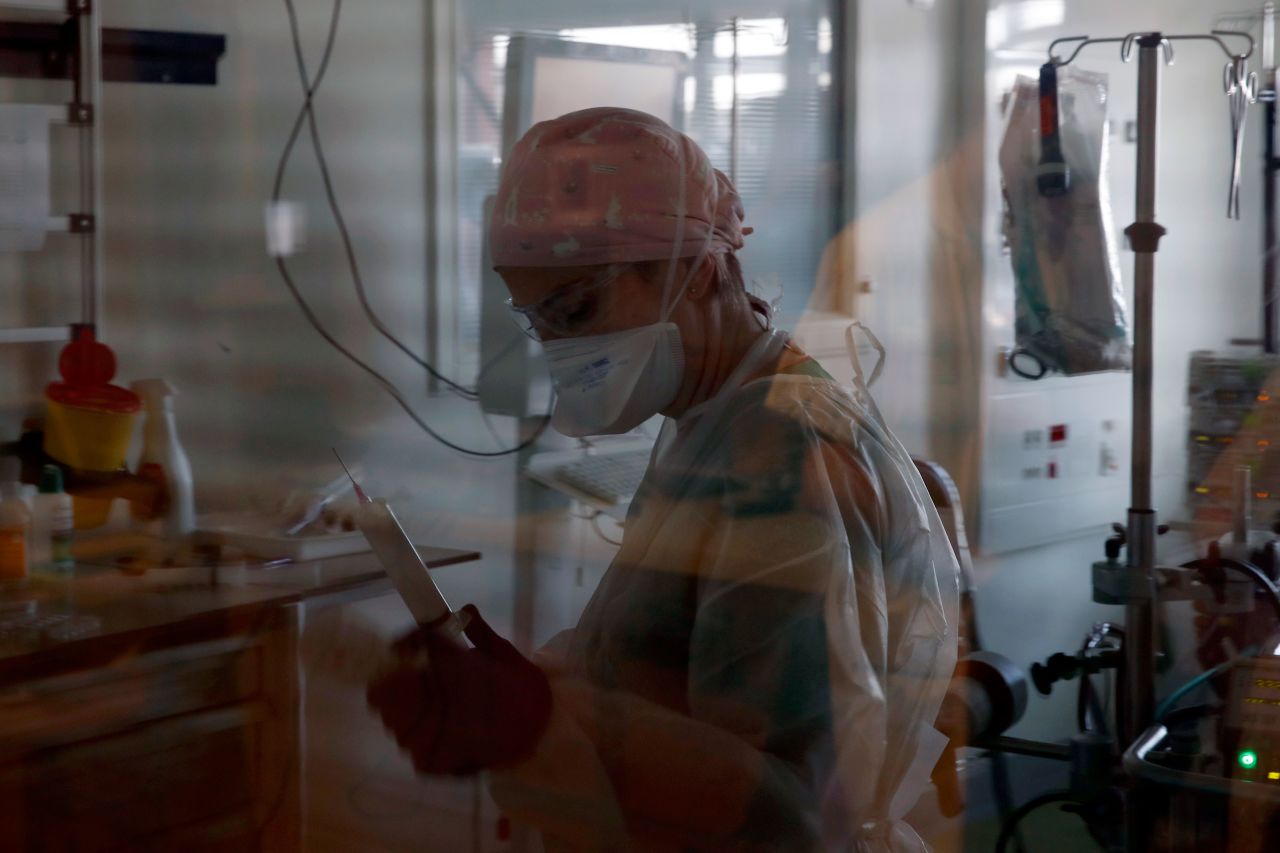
[[249, 536]]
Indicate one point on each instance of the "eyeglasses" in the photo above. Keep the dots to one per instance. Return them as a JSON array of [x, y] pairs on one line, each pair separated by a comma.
[[569, 310]]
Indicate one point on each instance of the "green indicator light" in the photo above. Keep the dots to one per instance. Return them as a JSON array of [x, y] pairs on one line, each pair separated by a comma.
[[1248, 759]]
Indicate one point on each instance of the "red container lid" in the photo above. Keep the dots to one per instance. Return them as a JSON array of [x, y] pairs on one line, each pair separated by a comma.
[[101, 398], [87, 367], [86, 361]]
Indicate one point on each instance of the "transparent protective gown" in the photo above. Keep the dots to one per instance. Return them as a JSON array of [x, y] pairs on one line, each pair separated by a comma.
[[762, 664]]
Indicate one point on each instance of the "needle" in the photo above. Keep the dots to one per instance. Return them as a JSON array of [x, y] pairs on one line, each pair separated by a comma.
[[360, 495]]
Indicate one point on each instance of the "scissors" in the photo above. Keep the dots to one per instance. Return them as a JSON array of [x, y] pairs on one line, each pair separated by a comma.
[[1241, 86]]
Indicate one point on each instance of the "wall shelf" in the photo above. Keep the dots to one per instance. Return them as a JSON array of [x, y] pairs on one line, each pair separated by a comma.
[[34, 10], [36, 335], [46, 50]]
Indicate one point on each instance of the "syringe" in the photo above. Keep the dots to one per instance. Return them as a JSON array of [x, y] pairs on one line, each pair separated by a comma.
[[403, 564]]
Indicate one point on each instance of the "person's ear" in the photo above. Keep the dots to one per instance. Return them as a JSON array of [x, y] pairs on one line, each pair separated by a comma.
[[705, 281]]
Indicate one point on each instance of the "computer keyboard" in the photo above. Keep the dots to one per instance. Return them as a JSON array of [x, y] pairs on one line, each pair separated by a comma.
[[610, 477]]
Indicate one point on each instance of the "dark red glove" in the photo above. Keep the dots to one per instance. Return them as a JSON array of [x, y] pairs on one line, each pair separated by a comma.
[[467, 710]]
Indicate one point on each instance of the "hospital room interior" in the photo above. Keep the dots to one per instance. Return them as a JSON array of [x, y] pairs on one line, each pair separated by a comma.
[[480, 425]]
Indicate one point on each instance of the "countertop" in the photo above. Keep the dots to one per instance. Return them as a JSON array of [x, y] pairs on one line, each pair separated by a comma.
[[95, 615]]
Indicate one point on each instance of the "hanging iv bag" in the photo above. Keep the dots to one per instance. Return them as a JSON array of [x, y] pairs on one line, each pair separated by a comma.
[[1069, 305]]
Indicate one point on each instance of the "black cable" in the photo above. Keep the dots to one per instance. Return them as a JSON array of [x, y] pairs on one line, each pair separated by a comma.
[[308, 112], [1002, 788], [390, 388], [1245, 568], [1011, 825], [283, 267]]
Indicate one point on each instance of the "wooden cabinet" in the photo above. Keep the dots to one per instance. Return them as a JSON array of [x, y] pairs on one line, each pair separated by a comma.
[[189, 747]]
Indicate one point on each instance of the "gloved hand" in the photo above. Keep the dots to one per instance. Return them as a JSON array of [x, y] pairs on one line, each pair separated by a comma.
[[465, 710]]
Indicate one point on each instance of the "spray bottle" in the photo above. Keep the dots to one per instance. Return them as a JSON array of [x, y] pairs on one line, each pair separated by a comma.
[[160, 447]]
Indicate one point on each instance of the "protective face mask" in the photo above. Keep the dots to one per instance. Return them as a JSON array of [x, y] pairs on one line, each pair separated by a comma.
[[609, 384]]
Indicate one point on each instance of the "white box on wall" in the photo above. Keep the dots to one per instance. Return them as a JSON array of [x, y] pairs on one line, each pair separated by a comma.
[[1055, 460]]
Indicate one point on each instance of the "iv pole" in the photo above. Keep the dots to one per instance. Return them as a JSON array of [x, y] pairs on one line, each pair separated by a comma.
[[1138, 583], [1134, 584], [1154, 49], [1269, 168]]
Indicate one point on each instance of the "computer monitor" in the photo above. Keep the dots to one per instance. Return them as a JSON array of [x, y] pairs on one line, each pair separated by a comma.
[[546, 78]]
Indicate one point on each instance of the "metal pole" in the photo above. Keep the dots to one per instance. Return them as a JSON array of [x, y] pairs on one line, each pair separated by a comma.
[[89, 94], [1269, 344], [1269, 45], [1269, 228], [1144, 237], [1144, 269]]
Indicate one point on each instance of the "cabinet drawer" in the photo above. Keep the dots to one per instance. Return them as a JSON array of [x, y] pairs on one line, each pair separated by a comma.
[[116, 792], [42, 714]]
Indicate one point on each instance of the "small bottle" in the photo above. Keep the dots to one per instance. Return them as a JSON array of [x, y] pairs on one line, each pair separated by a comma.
[[52, 524], [15, 525]]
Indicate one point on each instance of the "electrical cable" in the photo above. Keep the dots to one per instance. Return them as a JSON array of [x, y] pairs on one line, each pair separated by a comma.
[[308, 112], [283, 267], [1011, 825], [390, 388]]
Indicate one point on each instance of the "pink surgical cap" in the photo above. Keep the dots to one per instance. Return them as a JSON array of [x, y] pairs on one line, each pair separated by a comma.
[[606, 186]]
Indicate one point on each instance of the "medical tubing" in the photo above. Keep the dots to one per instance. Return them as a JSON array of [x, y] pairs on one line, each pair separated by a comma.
[[1167, 706], [310, 315], [307, 112], [1011, 825]]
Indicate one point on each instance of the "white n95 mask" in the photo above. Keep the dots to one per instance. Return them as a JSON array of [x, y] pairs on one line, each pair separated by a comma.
[[608, 384]]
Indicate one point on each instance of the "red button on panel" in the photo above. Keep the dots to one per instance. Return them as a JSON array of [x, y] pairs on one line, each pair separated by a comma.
[[1058, 433]]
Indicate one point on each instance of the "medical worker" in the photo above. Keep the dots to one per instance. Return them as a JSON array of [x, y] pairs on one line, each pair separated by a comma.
[[761, 666]]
